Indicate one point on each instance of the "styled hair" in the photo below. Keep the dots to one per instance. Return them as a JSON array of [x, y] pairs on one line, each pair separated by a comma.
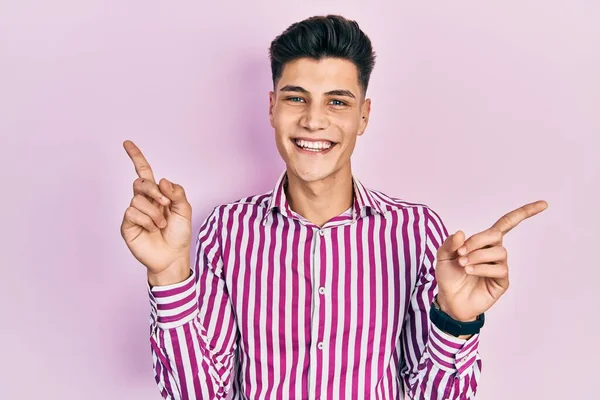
[[323, 36]]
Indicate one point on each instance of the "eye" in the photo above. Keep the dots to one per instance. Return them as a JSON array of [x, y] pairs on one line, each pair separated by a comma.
[[336, 102], [295, 99]]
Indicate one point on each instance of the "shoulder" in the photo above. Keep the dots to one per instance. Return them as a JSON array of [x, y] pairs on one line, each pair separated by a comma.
[[397, 205], [425, 221], [255, 205], [389, 203]]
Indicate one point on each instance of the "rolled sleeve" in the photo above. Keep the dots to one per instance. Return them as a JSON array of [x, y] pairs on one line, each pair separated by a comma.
[[174, 305], [450, 353]]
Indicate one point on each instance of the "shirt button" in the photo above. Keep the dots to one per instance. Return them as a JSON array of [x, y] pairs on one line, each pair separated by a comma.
[[320, 345], [321, 290], [321, 232]]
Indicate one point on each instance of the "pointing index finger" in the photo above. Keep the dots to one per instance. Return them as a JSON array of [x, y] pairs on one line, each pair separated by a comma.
[[142, 167], [508, 221]]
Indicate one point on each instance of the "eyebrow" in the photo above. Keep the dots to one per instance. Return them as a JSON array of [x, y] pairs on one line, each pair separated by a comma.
[[300, 89]]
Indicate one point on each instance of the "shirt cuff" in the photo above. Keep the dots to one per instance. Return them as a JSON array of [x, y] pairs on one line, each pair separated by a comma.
[[450, 353], [174, 305]]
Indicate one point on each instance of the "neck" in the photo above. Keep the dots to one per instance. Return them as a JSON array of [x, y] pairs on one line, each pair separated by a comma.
[[321, 200]]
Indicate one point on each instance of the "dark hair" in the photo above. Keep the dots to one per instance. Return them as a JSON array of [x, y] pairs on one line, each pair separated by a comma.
[[323, 36]]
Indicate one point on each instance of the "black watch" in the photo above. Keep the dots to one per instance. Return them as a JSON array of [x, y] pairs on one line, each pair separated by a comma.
[[449, 325]]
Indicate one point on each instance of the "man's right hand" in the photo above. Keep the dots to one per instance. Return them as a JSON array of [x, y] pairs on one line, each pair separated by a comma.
[[157, 225]]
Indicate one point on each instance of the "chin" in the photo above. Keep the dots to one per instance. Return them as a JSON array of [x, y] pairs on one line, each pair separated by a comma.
[[313, 174]]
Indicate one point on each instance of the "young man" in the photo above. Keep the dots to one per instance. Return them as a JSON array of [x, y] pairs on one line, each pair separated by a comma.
[[321, 288]]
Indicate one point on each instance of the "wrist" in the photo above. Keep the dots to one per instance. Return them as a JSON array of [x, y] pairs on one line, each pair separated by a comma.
[[449, 324], [177, 272], [443, 305]]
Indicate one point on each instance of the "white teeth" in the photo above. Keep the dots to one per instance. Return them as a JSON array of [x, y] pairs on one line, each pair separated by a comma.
[[313, 146]]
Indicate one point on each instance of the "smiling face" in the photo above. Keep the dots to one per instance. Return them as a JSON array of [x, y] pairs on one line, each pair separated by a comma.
[[317, 112]]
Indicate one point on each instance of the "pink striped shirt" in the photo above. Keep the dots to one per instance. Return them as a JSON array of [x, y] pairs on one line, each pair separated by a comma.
[[279, 308]]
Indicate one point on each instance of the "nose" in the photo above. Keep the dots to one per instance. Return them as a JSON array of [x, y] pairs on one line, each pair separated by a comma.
[[315, 118]]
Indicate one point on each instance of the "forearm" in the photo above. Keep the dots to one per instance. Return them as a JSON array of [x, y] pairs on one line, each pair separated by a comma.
[[184, 366], [449, 368], [189, 361]]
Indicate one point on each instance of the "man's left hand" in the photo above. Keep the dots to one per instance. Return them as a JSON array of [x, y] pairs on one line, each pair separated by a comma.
[[472, 274]]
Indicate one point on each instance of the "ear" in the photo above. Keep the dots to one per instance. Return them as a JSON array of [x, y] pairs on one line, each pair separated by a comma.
[[272, 101], [364, 116]]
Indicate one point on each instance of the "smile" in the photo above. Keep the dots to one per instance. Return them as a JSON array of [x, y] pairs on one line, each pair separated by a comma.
[[313, 146]]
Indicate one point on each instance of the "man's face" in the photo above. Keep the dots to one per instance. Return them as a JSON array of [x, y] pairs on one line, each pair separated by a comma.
[[317, 112]]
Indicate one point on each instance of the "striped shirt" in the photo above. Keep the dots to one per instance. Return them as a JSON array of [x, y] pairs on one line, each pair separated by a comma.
[[277, 307]]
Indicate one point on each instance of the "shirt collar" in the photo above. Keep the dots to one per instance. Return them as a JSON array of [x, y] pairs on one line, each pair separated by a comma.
[[363, 199]]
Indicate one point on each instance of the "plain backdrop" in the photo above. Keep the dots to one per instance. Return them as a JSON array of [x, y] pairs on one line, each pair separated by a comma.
[[478, 108]]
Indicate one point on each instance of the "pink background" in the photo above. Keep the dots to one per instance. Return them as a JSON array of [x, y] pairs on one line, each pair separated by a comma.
[[478, 108]]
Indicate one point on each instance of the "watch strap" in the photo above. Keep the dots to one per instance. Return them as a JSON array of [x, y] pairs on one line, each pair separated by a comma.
[[449, 325]]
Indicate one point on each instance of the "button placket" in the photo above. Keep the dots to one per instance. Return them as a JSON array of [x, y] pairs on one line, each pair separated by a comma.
[[318, 315], [320, 277]]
